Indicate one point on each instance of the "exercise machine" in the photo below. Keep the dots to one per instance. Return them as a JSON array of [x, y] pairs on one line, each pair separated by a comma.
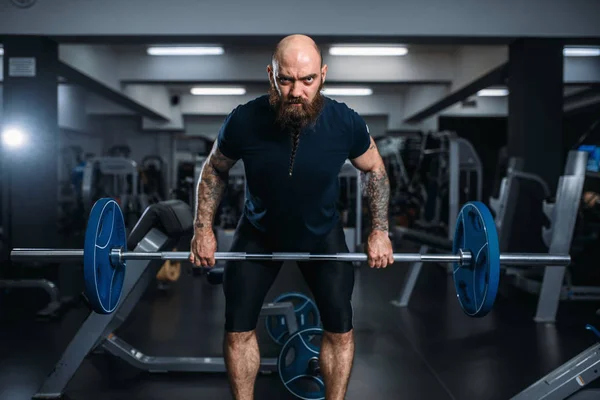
[[570, 378], [116, 177], [464, 168], [562, 216], [152, 180]]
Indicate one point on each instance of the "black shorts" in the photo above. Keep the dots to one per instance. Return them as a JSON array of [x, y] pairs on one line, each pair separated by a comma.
[[246, 283]]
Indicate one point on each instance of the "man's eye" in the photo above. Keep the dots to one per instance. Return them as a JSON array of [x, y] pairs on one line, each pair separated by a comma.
[[310, 79]]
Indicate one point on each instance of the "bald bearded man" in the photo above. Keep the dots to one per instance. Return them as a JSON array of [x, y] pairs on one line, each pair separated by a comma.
[[293, 142]]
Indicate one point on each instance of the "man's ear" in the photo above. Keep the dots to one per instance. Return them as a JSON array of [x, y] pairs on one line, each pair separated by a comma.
[[270, 74], [323, 73]]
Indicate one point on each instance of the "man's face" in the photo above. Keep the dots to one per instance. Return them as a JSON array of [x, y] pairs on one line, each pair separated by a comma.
[[296, 82]]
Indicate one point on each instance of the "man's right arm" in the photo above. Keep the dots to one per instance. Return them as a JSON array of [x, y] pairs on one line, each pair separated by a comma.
[[211, 186]]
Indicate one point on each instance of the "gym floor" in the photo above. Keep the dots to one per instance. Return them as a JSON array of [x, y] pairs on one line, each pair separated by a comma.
[[430, 350]]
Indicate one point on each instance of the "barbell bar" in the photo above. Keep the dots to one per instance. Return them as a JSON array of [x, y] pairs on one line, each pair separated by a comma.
[[120, 256], [475, 255]]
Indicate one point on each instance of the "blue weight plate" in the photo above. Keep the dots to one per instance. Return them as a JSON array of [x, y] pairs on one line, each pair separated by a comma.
[[105, 231], [294, 364], [477, 284], [307, 315]]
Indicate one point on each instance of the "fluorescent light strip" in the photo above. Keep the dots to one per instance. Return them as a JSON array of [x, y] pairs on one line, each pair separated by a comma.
[[581, 51], [347, 91], [492, 92], [185, 51], [218, 91], [367, 51]]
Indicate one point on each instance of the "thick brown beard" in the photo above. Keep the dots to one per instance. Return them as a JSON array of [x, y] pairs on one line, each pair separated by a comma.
[[291, 119]]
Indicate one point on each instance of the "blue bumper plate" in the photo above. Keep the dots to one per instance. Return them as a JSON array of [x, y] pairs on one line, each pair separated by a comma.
[[307, 315], [103, 280], [296, 364], [477, 283]]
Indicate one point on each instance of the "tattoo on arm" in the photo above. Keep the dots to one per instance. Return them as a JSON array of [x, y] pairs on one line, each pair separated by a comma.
[[211, 186], [378, 195]]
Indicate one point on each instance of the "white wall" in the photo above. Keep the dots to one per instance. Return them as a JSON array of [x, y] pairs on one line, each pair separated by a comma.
[[155, 97], [72, 114], [582, 70], [96, 61], [419, 97], [472, 62]]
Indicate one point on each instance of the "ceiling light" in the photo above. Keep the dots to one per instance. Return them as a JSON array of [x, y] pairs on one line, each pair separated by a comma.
[[218, 91], [581, 51], [185, 51], [367, 51], [493, 92], [347, 91]]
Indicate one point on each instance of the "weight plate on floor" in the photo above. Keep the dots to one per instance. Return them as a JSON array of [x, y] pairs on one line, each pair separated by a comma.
[[296, 364], [477, 284], [307, 315], [105, 231]]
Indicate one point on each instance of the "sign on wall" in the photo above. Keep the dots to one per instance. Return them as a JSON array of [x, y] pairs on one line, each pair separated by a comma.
[[21, 66]]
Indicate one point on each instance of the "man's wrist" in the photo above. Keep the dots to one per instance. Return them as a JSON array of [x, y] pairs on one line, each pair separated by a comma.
[[380, 231], [200, 226]]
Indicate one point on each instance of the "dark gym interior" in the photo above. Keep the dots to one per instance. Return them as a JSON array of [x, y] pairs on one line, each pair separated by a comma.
[[485, 117]]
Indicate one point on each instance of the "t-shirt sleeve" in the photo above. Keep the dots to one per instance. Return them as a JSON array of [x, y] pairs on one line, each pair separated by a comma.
[[361, 138], [230, 136]]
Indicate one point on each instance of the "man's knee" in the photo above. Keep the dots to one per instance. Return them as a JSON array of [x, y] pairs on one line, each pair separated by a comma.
[[339, 339], [239, 338]]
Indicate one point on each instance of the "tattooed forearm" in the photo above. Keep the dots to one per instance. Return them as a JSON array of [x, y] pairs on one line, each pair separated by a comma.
[[378, 195], [211, 186]]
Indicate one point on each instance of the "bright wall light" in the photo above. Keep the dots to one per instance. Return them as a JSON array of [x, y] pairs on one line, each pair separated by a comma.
[[581, 51], [347, 91], [13, 137], [492, 92], [1, 51], [218, 91], [368, 50], [185, 51]]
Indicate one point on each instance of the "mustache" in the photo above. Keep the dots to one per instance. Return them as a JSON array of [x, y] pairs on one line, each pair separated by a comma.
[[293, 119]]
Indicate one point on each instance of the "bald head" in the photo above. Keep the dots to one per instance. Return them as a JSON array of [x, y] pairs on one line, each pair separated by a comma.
[[297, 75], [294, 47]]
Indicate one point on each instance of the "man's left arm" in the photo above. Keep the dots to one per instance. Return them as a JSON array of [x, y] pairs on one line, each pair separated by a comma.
[[378, 196], [378, 186]]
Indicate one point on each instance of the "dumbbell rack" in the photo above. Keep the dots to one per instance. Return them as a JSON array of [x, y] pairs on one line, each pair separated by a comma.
[[97, 331]]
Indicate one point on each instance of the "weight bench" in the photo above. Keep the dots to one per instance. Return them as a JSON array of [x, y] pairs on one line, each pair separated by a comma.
[[569, 380], [159, 229], [428, 241]]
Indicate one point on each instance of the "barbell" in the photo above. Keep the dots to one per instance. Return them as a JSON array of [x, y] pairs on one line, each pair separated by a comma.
[[475, 254]]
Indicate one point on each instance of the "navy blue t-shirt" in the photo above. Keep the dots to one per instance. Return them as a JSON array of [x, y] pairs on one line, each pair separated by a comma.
[[295, 211]]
